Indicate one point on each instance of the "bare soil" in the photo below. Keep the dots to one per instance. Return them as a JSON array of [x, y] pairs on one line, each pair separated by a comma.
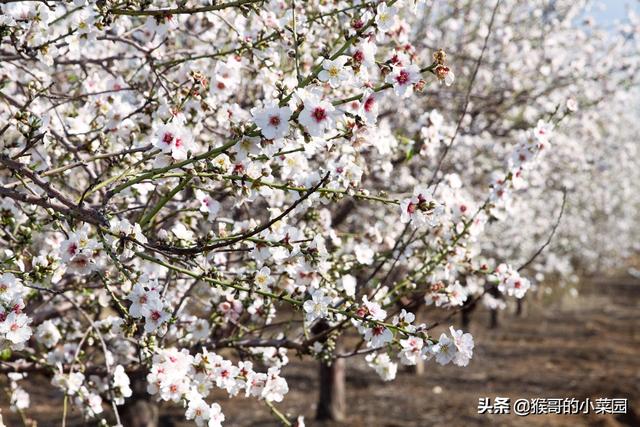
[[563, 346]]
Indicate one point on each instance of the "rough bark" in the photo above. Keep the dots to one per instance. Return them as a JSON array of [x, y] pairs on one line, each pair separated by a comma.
[[493, 318], [493, 313], [519, 307], [417, 369], [139, 410], [332, 398], [468, 308], [332, 390]]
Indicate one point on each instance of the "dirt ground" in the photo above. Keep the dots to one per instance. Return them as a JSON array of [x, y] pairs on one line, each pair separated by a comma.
[[563, 346]]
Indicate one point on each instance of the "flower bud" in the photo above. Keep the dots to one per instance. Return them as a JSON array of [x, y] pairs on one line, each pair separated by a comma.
[[439, 56]]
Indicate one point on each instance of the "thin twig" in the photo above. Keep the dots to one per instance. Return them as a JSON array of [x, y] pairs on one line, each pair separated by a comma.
[[466, 101], [553, 232], [198, 249]]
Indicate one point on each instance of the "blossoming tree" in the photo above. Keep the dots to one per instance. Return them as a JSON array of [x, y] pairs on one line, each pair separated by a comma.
[[193, 192]]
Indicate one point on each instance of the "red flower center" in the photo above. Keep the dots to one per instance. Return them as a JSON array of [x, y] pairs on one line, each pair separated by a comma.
[[73, 249], [167, 138], [274, 121], [80, 262], [369, 103], [362, 312], [319, 114], [403, 77]]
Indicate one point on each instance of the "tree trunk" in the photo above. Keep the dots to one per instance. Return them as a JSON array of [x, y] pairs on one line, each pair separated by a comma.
[[465, 314], [465, 318], [331, 401], [140, 413], [493, 318], [139, 410], [519, 307], [417, 369], [331, 397]]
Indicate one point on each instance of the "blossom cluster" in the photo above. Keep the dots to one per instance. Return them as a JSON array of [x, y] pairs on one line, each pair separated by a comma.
[[262, 178], [510, 282], [178, 376], [146, 302], [14, 323]]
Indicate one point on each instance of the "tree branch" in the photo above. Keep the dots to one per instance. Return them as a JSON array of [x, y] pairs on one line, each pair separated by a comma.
[[198, 249]]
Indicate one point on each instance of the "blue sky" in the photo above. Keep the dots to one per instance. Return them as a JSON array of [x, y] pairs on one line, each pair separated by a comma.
[[609, 11]]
